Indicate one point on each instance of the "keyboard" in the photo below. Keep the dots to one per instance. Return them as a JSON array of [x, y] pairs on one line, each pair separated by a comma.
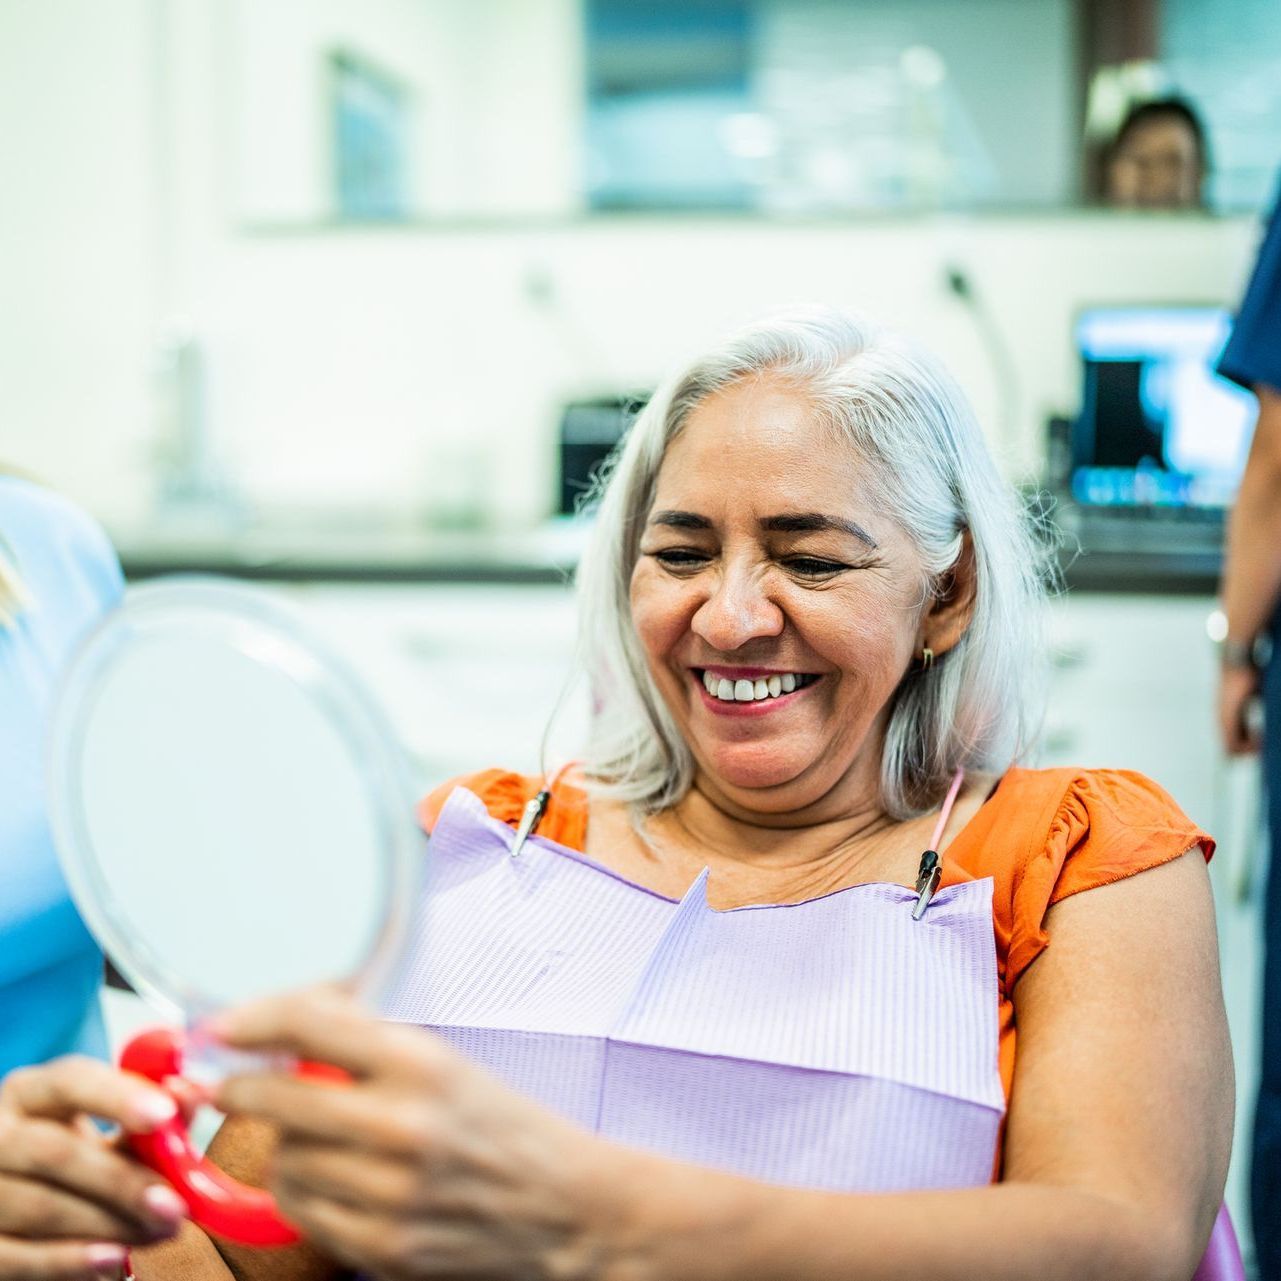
[[1146, 529]]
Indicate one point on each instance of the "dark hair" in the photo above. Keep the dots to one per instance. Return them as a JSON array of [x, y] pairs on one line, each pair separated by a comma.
[[1155, 109]]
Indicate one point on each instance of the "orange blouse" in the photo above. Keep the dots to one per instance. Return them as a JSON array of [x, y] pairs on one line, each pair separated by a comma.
[[1041, 836]]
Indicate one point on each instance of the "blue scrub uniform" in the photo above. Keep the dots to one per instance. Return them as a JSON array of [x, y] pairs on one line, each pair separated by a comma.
[[50, 967], [1253, 356]]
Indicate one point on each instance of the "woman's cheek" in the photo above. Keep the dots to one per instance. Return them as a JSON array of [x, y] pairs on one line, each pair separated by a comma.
[[659, 611]]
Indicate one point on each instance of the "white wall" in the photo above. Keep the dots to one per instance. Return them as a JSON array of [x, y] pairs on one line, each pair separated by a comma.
[[80, 244], [379, 370], [347, 363]]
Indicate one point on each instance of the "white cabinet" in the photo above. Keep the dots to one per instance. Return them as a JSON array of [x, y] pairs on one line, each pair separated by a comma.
[[469, 675], [1134, 687]]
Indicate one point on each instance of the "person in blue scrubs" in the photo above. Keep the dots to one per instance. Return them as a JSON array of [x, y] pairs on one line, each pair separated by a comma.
[[60, 575], [1252, 602]]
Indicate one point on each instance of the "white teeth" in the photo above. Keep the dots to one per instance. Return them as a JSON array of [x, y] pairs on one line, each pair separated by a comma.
[[749, 691]]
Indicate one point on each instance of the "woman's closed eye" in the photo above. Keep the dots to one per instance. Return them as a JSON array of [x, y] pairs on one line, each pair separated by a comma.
[[680, 558], [814, 566], [688, 559]]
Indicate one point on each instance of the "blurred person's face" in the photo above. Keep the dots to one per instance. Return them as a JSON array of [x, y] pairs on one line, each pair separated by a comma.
[[1157, 166]]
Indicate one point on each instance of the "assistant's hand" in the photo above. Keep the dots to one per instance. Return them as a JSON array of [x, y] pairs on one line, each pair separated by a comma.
[[70, 1199], [1238, 688], [425, 1166]]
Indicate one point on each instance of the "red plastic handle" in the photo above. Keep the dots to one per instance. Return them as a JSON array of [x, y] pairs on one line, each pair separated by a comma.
[[214, 1200]]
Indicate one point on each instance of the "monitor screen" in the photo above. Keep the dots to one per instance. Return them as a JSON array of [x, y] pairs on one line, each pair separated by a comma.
[[1158, 427]]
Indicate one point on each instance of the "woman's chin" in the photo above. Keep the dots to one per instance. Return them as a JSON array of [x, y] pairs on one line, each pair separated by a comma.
[[754, 770]]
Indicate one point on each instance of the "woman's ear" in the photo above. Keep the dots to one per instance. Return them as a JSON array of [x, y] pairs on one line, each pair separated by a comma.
[[949, 615]]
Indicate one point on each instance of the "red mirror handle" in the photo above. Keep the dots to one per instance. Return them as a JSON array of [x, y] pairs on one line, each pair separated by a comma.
[[215, 1200]]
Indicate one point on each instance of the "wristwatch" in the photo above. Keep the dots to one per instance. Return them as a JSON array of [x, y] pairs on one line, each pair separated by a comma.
[[1239, 655]]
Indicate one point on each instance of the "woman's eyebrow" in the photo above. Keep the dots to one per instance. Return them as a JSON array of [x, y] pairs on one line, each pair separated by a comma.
[[680, 520], [815, 522]]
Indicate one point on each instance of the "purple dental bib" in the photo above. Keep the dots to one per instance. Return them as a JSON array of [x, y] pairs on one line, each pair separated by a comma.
[[832, 1044]]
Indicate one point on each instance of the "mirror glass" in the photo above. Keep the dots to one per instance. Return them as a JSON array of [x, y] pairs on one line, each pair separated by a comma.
[[230, 810], [413, 111]]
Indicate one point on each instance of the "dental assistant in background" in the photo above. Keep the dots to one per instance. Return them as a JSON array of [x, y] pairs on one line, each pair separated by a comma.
[[1251, 595], [58, 574], [1159, 158]]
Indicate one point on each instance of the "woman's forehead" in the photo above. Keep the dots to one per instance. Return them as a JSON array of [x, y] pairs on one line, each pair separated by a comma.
[[756, 443]]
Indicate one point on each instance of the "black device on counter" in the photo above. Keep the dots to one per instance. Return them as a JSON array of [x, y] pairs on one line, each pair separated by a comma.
[[589, 430], [1157, 451]]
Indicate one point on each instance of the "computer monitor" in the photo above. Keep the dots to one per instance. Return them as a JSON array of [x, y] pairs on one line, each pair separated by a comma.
[[1158, 427]]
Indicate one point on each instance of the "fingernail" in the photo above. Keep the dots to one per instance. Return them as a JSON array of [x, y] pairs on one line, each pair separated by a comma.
[[104, 1257], [180, 1086], [165, 1202], [155, 1108]]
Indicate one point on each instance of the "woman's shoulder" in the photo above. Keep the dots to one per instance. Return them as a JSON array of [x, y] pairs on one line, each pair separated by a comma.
[[505, 793], [1100, 807], [1046, 834]]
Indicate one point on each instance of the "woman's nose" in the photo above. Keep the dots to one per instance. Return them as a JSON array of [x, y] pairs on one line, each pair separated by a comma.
[[737, 610]]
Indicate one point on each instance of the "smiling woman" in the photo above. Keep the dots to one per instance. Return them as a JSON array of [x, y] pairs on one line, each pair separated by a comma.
[[797, 974]]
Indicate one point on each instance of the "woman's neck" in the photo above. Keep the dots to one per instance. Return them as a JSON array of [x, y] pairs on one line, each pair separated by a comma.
[[705, 820], [778, 859]]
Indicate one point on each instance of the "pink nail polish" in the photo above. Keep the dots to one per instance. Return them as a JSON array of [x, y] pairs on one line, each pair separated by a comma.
[[155, 1108], [104, 1257], [165, 1202]]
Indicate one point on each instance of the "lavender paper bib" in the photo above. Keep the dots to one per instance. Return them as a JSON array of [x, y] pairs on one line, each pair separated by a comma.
[[832, 1044]]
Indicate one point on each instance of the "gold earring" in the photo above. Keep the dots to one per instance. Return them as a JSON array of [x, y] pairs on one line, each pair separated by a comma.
[[927, 658]]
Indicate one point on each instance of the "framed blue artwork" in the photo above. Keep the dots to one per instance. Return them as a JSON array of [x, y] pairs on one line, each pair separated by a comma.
[[370, 121]]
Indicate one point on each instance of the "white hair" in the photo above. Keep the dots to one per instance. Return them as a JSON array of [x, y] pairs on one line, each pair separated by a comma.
[[979, 706]]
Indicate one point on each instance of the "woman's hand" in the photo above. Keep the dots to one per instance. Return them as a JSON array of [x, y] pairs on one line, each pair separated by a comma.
[[424, 1166], [70, 1201]]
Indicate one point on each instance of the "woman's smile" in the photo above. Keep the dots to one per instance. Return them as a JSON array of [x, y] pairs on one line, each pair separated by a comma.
[[749, 691]]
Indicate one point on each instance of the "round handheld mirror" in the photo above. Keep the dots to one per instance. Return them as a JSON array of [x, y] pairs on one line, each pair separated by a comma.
[[233, 818]]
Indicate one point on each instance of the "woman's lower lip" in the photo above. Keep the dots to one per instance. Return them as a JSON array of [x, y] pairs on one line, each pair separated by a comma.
[[757, 707]]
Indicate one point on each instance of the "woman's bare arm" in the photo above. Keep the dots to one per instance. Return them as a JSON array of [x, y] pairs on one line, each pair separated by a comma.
[[243, 1148]]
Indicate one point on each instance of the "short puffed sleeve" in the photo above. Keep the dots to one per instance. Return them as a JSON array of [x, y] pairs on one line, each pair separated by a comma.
[[1110, 825], [1047, 834], [505, 794]]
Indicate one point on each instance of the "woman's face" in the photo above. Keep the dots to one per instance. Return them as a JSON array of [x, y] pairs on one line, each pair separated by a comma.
[[777, 611], [1157, 167]]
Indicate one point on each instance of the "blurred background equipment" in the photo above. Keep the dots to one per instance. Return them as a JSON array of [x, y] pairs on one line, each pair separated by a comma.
[[589, 432], [1159, 429]]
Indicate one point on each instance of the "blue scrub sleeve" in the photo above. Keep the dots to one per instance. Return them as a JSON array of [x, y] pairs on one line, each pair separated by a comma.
[[1253, 353], [50, 967]]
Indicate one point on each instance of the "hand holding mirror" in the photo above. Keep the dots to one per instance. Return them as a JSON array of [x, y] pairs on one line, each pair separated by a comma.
[[233, 819]]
